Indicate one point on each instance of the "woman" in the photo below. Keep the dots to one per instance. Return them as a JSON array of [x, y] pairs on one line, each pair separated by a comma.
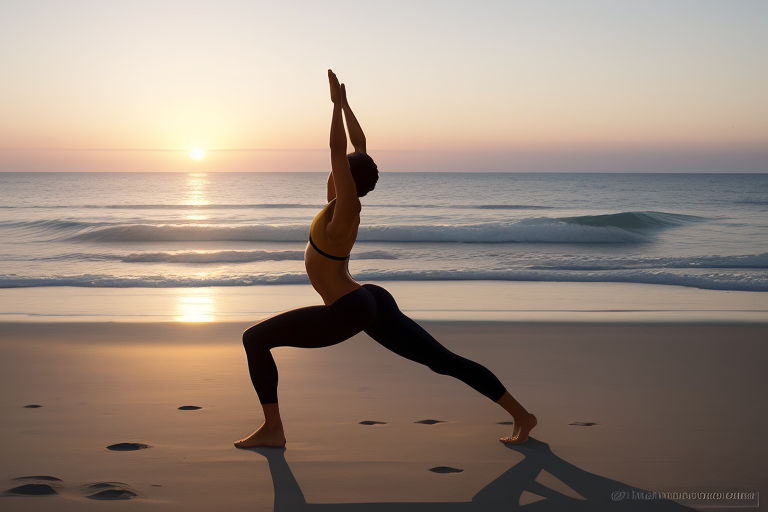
[[349, 307]]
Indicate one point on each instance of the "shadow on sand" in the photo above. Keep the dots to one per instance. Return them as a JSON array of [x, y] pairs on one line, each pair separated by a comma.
[[504, 493]]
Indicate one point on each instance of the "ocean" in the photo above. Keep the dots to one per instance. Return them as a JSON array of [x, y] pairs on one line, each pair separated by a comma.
[[176, 230]]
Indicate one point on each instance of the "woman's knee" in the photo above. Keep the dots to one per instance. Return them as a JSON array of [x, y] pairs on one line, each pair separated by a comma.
[[253, 336]]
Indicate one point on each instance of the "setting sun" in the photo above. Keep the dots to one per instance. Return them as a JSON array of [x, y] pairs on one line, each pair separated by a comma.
[[196, 153]]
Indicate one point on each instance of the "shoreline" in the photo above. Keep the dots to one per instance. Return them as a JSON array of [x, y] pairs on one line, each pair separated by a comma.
[[519, 301]]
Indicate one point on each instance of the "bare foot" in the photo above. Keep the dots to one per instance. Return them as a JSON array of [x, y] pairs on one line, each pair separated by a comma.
[[263, 437], [520, 431]]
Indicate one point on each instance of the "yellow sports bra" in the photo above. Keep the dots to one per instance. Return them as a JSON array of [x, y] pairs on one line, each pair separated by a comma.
[[317, 233]]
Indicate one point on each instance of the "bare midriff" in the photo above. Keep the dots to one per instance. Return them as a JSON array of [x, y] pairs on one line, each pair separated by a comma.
[[330, 278]]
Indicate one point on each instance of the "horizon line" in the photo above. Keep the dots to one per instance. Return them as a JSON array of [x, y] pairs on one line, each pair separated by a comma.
[[191, 171]]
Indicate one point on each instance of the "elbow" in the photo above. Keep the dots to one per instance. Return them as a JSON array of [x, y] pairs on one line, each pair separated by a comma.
[[359, 144]]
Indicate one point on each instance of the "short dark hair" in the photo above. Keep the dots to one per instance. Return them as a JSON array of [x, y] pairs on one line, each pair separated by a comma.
[[364, 172]]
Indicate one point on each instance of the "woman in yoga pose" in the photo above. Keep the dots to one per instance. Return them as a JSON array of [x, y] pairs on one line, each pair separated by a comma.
[[350, 307]]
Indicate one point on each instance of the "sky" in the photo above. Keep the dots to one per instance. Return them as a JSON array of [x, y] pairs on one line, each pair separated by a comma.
[[627, 86]]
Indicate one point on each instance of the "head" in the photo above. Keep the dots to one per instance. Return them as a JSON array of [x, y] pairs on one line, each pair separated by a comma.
[[364, 172]]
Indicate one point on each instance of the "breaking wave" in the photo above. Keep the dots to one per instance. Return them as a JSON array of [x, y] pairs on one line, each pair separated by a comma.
[[625, 227]]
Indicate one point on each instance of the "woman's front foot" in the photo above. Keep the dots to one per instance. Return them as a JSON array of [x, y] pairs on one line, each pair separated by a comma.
[[263, 436], [520, 432]]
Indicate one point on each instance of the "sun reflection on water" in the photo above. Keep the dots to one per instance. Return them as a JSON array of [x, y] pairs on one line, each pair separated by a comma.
[[196, 305], [196, 192]]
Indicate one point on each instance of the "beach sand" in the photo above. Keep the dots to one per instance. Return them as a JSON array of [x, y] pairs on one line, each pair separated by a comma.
[[656, 406]]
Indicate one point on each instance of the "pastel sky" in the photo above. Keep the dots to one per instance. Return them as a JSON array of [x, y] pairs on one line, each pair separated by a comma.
[[607, 85]]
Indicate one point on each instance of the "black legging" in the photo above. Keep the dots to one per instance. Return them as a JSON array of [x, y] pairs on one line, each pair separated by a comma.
[[371, 309]]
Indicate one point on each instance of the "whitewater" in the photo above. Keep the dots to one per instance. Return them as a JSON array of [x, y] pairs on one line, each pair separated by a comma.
[[242, 229]]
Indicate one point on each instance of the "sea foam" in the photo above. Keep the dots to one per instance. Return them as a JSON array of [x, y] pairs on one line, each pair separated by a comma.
[[711, 279], [206, 256]]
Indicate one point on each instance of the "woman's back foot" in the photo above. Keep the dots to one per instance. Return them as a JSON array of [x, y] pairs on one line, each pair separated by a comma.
[[263, 436], [520, 431]]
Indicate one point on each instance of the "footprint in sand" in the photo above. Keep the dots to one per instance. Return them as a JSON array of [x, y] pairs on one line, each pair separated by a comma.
[[372, 422], [445, 469], [32, 406], [32, 490], [109, 491], [582, 423], [429, 422], [94, 491], [127, 447], [189, 407]]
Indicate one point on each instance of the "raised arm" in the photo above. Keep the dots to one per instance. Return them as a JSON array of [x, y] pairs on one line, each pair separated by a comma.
[[347, 202], [331, 188], [356, 135]]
